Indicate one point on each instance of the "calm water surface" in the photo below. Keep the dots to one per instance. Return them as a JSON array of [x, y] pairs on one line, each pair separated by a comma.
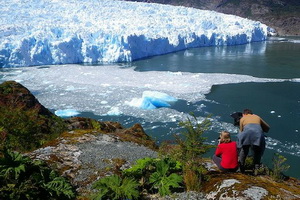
[[278, 103]]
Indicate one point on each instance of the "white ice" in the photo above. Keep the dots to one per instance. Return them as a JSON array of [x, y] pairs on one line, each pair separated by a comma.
[[152, 100], [39, 32], [67, 113], [112, 90], [107, 90]]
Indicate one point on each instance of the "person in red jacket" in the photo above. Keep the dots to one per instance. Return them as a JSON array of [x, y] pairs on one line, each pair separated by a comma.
[[226, 155]]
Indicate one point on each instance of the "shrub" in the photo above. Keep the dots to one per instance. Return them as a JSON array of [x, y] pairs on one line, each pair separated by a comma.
[[278, 167], [26, 129], [188, 149], [114, 187], [148, 175], [191, 149], [163, 179], [23, 178]]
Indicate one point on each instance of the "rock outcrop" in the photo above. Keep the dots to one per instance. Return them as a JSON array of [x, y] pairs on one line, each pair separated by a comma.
[[15, 95], [86, 155]]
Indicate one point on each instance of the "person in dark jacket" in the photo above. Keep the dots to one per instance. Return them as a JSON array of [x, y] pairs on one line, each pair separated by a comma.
[[251, 135], [226, 155]]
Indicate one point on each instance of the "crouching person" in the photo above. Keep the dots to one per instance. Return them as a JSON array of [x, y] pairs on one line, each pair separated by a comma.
[[226, 155]]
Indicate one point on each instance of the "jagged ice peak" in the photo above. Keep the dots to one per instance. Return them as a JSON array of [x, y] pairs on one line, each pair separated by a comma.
[[40, 32]]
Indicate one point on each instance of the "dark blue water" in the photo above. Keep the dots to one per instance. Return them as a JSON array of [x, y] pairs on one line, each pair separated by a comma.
[[271, 59], [278, 103]]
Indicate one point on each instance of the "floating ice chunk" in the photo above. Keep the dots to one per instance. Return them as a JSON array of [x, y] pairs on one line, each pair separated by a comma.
[[279, 116], [66, 113], [272, 112], [104, 102], [152, 103], [152, 100], [114, 111], [159, 95]]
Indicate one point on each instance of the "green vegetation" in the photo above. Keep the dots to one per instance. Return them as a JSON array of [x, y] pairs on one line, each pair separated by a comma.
[[180, 167], [114, 187], [162, 179], [154, 175], [148, 175], [25, 129], [190, 150], [96, 125], [23, 178], [24, 123], [278, 167]]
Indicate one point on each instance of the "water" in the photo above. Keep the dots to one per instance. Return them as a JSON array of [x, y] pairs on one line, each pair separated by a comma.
[[211, 80], [278, 103]]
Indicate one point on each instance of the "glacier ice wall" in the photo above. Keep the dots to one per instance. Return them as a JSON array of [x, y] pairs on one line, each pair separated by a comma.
[[39, 32]]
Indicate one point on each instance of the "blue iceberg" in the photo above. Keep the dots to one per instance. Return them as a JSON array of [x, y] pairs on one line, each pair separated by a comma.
[[152, 100], [67, 113]]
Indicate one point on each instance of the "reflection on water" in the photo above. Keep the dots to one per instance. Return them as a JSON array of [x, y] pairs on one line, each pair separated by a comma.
[[270, 59]]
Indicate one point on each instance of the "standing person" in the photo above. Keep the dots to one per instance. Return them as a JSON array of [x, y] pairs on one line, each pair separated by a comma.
[[252, 129], [226, 155]]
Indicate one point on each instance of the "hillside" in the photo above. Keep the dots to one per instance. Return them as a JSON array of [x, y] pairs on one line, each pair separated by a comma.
[[282, 15], [89, 150]]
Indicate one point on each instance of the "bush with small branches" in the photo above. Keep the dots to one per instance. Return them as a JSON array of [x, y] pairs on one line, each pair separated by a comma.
[[189, 149], [278, 167]]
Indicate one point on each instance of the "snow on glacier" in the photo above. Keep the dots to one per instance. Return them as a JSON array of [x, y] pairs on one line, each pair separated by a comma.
[[40, 32]]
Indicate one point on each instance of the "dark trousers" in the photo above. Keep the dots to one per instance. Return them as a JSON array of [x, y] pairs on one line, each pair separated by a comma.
[[217, 160], [257, 154]]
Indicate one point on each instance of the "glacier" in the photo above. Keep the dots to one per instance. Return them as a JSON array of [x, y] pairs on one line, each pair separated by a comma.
[[44, 32]]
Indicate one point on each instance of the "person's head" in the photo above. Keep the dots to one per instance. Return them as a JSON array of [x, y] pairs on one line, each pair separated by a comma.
[[225, 137], [247, 112]]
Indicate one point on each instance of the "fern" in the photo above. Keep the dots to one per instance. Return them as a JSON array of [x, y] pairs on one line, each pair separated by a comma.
[[12, 164], [113, 187], [139, 168], [60, 186], [129, 188], [22, 178], [162, 181]]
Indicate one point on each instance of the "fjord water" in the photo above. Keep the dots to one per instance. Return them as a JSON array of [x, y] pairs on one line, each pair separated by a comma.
[[278, 103], [268, 82]]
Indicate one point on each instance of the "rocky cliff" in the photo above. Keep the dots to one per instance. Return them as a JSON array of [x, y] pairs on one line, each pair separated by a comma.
[[282, 15]]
